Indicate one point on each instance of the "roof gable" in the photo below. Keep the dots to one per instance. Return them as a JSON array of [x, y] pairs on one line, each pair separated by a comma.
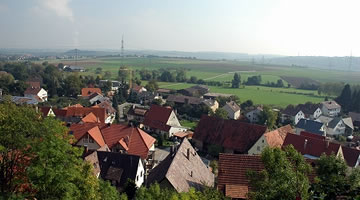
[[157, 117], [83, 111], [231, 134], [276, 137], [85, 92]]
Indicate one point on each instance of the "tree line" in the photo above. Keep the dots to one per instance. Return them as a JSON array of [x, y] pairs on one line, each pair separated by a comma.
[[349, 99]]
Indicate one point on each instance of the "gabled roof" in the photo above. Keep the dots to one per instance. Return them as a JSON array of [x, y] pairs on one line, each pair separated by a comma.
[[135, 140], [311, 146], [232, 178], [83, 111], [184, 99], [355, 116], [312, 135], [231, 134], [324, 119], [59, 112], [80, 130], [33, 84], [118, 167], [157, 117], [348, 122], [276, 137], [85, 92], [351, 156], [32, 91], [291, 110], [182, 171], [95, 94], [308, 108], [45, 110], [330, 104], [90, 118], [107, 105], [310, 126], [233, 106]]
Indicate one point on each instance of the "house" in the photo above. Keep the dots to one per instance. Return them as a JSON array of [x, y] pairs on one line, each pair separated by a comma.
[[117, 168], [163, 92], [24, 100], [147, 97], [47, 111], [114, 84], [340, 126], [137, 113], [96, 98], [118, 138], [311, 146], [292, 114], [138, 89], [352, 156], [355, 118], [36, 93], [92, 158], [232, 109], [71, 68], [271, 139], [232, 173], [86, 92], [214, 95], [311, 126], [110, 111], [195, 91], [33, 84], [181, 170], [162, 120], [180, 100], [75, 114], [182, 135], [311, 111], [253, 115], [330, 108], [232, 135]]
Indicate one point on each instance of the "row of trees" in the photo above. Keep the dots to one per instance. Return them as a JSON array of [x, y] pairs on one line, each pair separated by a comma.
[[287, 175], [165, 75]]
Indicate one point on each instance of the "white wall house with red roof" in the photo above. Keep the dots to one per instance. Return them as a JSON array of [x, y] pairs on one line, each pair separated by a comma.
[[36, 93]]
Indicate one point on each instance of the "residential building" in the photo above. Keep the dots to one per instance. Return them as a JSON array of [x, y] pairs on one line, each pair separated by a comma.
[[137, 113], [162, 120], [311, 126], [38, 94], [180, 100], [195, 91], [232, 109], [75, 114], [110, 111], [114, 84], [96, 98], [138, 89], [47, 111], [352, 156], [71, 68], [181, 170], [87, 135], [292, 114], [355, 118], [214, 95], [272, 139], [253, 115], [233, 136], [86, 92], [330, 108], [340, 126]]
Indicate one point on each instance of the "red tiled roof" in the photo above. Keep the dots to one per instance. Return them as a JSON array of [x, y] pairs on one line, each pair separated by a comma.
[[351, 155], [231, 134], [45, 110], [33, 91], [137, 141], [137, 88], [107, 105], [80, 130], [311, 146], [85, 92], [59, 112], [232, 179], [276, 137], [83, 111], [312, 135], [90, 118], [157, 117], [33, 84]]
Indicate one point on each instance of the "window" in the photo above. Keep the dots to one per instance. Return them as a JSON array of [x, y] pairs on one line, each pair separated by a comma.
[[263, 141], [141, 173], [137, 178], [258, 148], [85, 140], [91, 140]]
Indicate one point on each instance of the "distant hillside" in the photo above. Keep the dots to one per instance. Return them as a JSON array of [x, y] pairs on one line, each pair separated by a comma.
[[88, 53], [320, 62]]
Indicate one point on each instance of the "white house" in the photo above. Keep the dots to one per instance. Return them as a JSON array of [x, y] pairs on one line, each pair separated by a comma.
[[36, 93], [253, 116], [330, 108], [292, 114], [232, 109], [339, 126]]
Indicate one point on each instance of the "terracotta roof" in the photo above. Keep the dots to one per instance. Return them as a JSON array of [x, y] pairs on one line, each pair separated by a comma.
[[157, 117], [331, 104], [80, 130], [351, 156], [232, 179], [33, 84], [59, 112], [311, 146], [134, 139], [83, 111], [85, 92], [90, 118], [94, 95], [45, 110], [107, 105], [231, 134], [312, 135], [276, 137], [181, 171], [137, 88], [33, 91], [181, 134]]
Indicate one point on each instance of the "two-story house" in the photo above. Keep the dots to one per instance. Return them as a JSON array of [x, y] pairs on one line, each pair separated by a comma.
[[330, 108], [232, 109]]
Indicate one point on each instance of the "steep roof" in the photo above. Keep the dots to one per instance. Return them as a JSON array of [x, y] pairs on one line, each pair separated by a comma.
[[311, 146], [182, 171], [33, 84], [233, 106], [90, 118], [83, 111], [117, 166], [32, 91], [308, 108], [157, 117], [355, 116], [348, 122], [334, 122], [107, 105], [232, 178], [330, 104], [134, 140], [276, 137], [351, 155], [324, 119], [85, 92], [184, 99], [45, 110], [310, 126], [80, 130], [231, 134], [291, 110]]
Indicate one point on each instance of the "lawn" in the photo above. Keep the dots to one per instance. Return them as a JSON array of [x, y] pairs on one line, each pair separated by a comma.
[[188, 124]]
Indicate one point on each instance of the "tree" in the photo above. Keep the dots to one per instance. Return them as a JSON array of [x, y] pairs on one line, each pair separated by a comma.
[[280, 83], [285, 175], [152, 86], [181, 75], [345, 98], [107, 75], [268, 117], [220, 113], [98, 70], [106, 87], [193, 79], [246, 104], [236, 81]]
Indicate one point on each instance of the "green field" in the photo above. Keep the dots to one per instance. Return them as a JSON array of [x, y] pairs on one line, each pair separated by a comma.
[[224, 71]]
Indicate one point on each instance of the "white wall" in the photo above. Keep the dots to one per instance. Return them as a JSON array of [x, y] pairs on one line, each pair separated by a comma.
[[140, 174], [173, 120], [259, 145]]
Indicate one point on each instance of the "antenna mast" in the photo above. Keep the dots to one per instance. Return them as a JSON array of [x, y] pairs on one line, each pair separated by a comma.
[[350, 61]]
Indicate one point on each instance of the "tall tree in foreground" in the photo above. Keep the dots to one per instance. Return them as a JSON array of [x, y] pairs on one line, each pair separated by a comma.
[[268, 117], [235, 83], [345, 98], [284, 176]]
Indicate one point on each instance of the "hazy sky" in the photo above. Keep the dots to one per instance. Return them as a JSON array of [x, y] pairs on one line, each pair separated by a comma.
[[287, 27]]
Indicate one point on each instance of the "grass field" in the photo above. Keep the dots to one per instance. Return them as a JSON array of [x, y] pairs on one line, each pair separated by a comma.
[[224, 71]]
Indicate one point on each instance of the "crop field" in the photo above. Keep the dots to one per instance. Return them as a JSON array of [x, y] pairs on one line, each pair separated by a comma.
[[223, 71]]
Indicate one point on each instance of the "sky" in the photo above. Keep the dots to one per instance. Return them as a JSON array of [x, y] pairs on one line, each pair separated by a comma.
[[283, 27]]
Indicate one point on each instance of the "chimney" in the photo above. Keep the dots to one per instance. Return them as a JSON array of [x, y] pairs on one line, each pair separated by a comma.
[[188, 153], [305, 143]]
